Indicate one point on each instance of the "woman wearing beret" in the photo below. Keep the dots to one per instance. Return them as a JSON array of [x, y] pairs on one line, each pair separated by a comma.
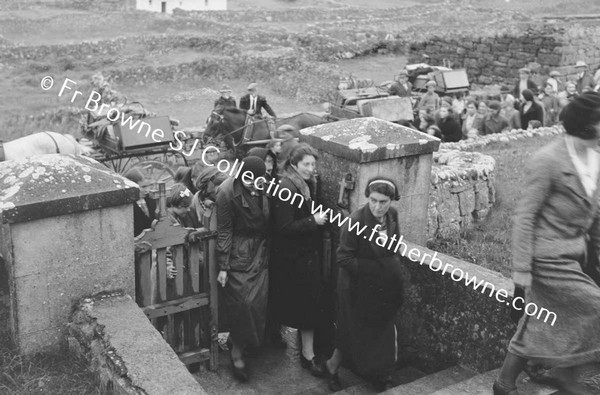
[[556, 218], [242, 256], [531, 110], [370, 288]]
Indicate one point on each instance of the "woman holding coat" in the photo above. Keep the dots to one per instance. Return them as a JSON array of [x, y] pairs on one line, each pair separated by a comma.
[[555, 220], [370, 289], [298, 288], [242, 256]]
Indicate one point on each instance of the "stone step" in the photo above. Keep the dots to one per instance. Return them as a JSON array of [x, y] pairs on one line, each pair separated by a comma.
[[401, 376], [482, 385], [433, 382]]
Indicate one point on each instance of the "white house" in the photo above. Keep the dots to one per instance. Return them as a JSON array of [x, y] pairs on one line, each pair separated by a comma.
[[167, 6]]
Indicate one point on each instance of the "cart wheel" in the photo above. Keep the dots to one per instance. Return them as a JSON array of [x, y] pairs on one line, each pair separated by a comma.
[[156, 172]]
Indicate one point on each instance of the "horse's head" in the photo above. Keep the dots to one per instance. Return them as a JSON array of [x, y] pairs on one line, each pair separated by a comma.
[[215, 124]]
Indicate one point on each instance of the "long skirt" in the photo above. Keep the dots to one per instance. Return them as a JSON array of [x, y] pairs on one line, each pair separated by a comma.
[[365, 334], [573, 337], [245, 298]]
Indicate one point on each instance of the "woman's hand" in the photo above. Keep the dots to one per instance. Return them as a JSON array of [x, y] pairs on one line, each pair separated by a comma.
[[320, 218], [522, 279], [222, 278]]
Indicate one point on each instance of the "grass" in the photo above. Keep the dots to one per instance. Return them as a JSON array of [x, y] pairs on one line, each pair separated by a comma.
[[44, 374], [488, 243]]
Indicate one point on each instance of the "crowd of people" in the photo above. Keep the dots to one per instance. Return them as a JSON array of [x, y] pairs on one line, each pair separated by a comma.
[[270, 261], [458, 117]]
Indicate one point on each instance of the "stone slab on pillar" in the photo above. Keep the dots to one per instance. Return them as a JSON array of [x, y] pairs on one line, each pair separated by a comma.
[[369, 147], [66, 227]]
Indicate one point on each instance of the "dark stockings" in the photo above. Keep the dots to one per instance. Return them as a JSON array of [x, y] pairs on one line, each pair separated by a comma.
[[512, 367]]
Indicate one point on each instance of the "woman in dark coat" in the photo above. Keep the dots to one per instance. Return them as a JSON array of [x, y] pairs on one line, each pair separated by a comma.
[[450, 128], [530, 110], [242, 256], [297, 270], [558, 214], [370, 290]]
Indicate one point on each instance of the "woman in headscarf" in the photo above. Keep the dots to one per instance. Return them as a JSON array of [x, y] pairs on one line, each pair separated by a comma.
[[298, 288], [243, 259], [370, 288], [530, 110], [556, 217]]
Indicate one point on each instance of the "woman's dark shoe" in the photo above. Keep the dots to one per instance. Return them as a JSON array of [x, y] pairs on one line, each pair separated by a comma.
[[383, 384], [333, 380], [312, 366], [500, 391], [241, 374]]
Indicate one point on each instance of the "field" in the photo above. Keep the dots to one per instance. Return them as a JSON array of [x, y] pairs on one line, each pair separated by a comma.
[[189, 98]]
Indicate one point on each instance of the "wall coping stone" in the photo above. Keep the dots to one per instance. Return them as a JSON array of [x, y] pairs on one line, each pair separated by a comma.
[[369, 139], [455, 166], [51, 185]]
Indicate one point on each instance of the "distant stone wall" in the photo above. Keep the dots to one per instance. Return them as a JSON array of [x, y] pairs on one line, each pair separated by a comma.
[[497, 58]]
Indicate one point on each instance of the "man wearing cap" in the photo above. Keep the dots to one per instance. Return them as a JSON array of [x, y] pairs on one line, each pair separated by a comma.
[[290, 138], [553, 80], [585, 81], [494, 122], [430, 98], [225, 100], [401, 87], [254, 103], [524, 82]]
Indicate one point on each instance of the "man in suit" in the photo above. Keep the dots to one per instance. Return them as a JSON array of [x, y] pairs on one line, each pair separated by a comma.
[[225, 100], [401, 87], [524, 82], [585, 81], [254, 103], [144, 211]]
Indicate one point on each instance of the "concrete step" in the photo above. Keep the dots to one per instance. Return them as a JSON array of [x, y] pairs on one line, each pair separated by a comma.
[[401, 376], [482, 385], [433, 382]]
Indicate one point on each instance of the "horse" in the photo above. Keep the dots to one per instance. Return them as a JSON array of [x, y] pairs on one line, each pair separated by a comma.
[[231, 123], [43, 143]]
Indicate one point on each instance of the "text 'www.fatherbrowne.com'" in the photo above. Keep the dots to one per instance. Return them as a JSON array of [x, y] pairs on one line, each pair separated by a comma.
[[395, 244]]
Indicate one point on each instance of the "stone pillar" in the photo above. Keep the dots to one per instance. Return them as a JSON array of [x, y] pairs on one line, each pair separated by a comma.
[[361, 148], [66, 227]]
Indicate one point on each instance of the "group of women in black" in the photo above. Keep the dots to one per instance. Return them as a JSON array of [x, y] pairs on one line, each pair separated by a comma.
[[269, 255]]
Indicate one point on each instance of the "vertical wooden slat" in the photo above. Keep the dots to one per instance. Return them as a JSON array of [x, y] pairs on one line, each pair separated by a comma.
[[171, 330], [194, 265], [161, 273], [143, 266], [181, 274], [211, 263]]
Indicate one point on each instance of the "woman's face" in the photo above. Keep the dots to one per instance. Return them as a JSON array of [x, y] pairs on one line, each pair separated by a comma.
[[306, 167], [548, 89], [422, 115], [571, 88], [181, 210], [483, 108], [277, 147], [431, 131], [379, 204], [443, 112], [269, 164]]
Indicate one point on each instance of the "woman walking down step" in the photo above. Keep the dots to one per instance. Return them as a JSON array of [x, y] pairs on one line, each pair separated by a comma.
[[557, 215], [370, 289]]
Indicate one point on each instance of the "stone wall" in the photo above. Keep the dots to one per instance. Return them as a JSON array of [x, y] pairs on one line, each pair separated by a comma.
[[497, 58], [124, 350]]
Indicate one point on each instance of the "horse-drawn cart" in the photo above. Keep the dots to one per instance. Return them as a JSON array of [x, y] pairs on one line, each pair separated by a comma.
[[370, 102], [135, 140]]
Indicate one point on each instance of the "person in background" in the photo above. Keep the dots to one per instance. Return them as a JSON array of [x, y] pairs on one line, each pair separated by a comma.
[[510, 112], [181, 207], [551, 105], [371, 285], [524, 83], [225, 100], [494, 122], [472, 120], [430, 99], [254, 103], [448, 126], [289, 137], [183, 175], [585, 81], [482, 108], [270, 161], [459, 104], [424, 120], [298, 285], [144, 211], [556, 221], [530, 109], [243, 258], [555, 82], [401, 87]]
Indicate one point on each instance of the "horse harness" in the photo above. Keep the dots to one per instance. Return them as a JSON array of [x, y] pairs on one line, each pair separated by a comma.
[[248, 127]]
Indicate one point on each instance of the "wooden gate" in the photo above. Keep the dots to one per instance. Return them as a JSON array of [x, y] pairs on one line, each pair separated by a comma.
[[183, 308]]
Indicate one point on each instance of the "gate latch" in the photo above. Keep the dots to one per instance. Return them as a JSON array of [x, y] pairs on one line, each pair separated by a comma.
[[347, 184]]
